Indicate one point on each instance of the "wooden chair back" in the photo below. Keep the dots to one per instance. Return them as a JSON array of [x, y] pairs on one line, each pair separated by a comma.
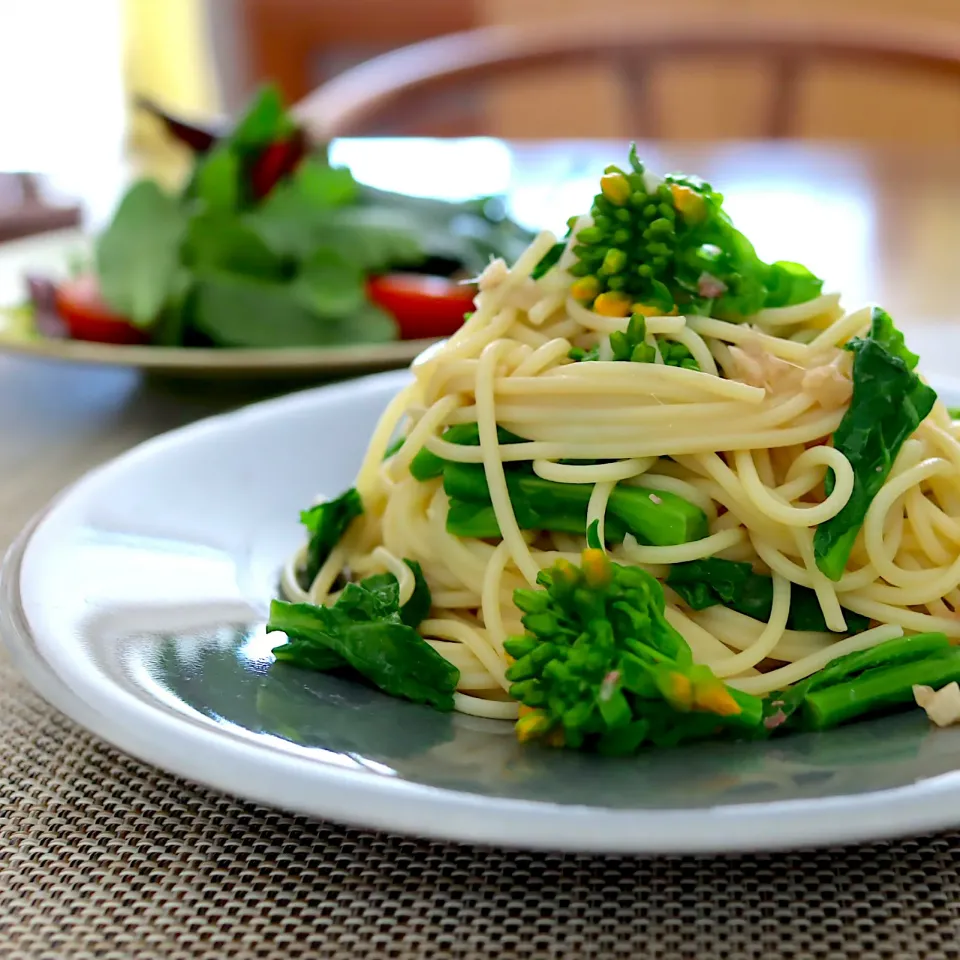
[[300, 43], [388, 94]]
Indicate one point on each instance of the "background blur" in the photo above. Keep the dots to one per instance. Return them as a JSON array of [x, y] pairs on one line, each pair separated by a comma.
[[69, 67]]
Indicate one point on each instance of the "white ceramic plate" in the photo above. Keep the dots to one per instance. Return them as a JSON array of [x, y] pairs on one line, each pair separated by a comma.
[[136, 605], [51, 253]]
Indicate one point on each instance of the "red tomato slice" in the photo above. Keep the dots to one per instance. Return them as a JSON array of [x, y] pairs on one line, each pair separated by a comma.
[[88, 317], [423, 306]]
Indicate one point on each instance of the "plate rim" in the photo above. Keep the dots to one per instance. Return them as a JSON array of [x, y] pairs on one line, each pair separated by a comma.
[[255, 772], [219, 359]]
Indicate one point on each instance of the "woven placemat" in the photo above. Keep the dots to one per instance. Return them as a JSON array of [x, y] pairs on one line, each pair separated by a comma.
[[103, 857]]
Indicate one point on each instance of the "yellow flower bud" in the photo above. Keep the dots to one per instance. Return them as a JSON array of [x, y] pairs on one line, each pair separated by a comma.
[[532, 726], [564, 572], [596, 567], [615, 188], [612, 304], [715, 698], [645, 310], [688, 202], [585, 289], [681, 691]]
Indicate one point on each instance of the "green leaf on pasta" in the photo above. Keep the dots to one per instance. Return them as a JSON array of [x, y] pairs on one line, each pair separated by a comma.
[[417, 608], [889, 402], [711, 581], [368, 632], [593, 536], [326, 523]]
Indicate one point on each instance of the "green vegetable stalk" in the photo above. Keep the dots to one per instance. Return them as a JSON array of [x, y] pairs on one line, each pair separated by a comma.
[[878, 690], [601, 668], [867, 682], [476, 521], [652, 516], [426, 465]]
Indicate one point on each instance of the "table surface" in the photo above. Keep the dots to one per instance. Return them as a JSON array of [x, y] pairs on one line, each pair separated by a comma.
[[101, 856]]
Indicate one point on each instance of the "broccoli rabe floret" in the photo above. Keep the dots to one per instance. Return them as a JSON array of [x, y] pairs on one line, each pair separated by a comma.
[[659, 246], [601, 668], [631, 345]]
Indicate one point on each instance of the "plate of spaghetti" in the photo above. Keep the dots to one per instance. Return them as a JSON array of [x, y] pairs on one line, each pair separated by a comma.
[[660, 551]]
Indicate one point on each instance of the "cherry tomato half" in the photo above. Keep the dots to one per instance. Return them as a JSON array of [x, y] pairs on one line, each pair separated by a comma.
[[423, 306], [88, 317]]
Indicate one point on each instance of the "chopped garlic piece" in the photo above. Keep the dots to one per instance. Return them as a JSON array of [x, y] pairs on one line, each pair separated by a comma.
[[829, 385], [747, 368], [709, 286], [942, 706], [651, 182], [760, 368]]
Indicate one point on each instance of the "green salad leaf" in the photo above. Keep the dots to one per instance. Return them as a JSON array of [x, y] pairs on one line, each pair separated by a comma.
[[138, 256], [270, 245], [330, 285], [373, 238], [222, 178], [265, 121], [325, 187], [889, 402], [239, 311], [215, 242], [470, 234], [293, 219], [216, 182]]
